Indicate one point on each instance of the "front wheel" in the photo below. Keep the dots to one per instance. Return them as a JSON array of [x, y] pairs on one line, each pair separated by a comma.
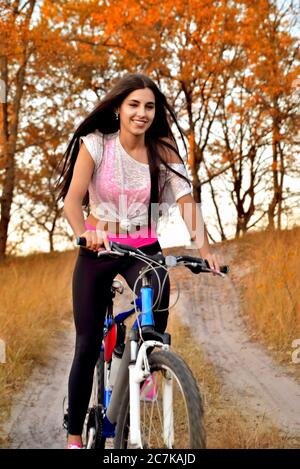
[[171, 410]]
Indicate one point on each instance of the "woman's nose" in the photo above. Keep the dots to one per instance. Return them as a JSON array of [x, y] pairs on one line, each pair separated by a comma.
[[141, 112]]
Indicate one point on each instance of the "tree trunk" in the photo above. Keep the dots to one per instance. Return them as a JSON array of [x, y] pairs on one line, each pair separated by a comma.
[[194, 166], [7, 163], [9, 129], [52, 231], [9, 149], [194, 161], [282, 172], [277, 186]]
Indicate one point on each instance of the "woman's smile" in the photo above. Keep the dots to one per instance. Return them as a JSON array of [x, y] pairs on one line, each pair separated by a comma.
[[139, 122]]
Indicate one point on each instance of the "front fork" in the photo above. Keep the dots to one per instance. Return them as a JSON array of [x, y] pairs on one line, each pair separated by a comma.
[[139, 370]]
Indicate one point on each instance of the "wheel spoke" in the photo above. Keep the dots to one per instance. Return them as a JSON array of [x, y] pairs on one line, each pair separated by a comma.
[[168, 408], [154, 414]]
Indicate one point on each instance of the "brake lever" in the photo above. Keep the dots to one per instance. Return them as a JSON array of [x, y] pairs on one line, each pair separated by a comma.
[[216, 272], [110, 253], [197, 269]]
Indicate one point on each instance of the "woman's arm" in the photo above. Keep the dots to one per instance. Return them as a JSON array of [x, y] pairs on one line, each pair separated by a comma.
[[192, 216], [83, 170]]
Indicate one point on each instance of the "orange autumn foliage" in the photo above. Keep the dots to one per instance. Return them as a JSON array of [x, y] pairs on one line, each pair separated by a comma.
[[201, 53]]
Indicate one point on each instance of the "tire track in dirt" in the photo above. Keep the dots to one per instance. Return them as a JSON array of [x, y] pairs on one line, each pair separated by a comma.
[[210, 307], [37, 412]]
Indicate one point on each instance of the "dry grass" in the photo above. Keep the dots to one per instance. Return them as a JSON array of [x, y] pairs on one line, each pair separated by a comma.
[[35, 300], [271, 289]]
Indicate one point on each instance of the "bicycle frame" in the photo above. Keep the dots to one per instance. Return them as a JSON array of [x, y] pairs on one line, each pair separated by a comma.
[[134, 368], [137, 364]]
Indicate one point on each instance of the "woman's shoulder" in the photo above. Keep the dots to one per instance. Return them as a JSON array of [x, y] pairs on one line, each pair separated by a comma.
[[94, 142]]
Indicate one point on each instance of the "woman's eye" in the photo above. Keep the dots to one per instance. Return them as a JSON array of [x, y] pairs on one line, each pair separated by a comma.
[[135, 105]]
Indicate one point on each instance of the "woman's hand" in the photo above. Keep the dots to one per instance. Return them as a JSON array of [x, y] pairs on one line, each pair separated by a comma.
[[96, 239], [213, 261]]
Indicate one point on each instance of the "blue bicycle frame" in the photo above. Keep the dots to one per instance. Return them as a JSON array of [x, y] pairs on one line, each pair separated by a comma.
[[145, 319]]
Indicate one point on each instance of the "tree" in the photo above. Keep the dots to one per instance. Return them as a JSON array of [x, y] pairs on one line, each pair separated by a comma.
[[227, 67], [43, 91], [15, 44], [273, 64]]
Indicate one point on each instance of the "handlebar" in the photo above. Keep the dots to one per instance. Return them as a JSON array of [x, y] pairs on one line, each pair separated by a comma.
[[196, 264]]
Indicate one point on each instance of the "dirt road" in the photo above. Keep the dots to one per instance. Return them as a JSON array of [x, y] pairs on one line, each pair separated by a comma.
[[247, 370], [36, 417], [211, 306]]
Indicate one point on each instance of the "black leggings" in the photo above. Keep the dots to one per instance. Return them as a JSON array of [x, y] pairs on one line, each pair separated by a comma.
[[92, 279]]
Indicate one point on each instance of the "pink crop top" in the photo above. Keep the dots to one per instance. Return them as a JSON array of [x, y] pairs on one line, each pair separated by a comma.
[[119, 189]]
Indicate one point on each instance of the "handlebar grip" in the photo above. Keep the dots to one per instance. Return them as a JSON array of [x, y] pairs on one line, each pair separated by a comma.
[[199, 269], [224, 269], [81, 241]]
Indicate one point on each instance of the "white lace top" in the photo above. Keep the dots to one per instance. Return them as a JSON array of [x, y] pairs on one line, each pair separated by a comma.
[[120, 186]]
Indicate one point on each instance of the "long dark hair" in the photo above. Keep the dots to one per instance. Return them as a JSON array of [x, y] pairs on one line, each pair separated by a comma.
[[159, 137]]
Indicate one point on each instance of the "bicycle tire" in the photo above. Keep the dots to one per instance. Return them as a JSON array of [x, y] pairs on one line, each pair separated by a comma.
[[168, 362], [94, 417]]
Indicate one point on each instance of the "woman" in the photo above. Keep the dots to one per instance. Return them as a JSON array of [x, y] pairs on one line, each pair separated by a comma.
[[123, 161]]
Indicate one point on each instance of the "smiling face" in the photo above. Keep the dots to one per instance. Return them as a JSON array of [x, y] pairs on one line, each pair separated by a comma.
[[137, 111]]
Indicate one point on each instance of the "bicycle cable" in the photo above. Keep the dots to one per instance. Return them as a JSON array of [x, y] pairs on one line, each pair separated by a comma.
[[152, 268]]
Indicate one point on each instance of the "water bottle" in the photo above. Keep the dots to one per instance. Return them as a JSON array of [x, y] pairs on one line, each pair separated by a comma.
[[117, 354]]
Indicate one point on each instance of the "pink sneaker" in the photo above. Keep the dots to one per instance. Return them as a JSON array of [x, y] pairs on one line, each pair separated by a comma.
[[74, 446], [149, 389]]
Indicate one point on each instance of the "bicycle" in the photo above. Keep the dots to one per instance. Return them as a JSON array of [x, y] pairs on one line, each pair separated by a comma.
[[153, 395]]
